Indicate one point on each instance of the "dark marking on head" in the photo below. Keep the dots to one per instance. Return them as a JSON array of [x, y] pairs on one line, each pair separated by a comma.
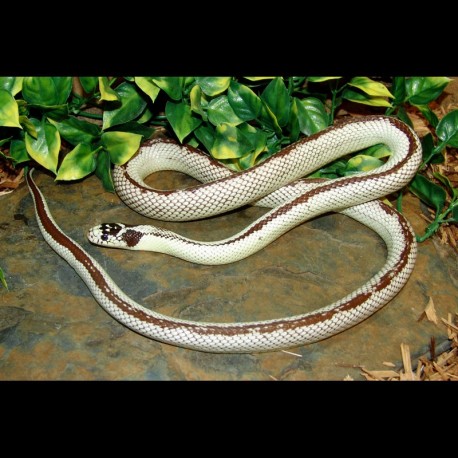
[[109, 230], [131, 237]]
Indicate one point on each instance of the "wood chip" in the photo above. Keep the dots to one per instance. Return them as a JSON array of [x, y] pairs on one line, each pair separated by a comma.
[[10, 181], [368, 376], [380, 375], [291, 353], [389, 364], [441, 372], [429, 312], [407, 374], [419, 370], [452, 330]]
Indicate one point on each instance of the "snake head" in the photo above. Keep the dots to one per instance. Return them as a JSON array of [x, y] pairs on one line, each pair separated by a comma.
[[115, 235]]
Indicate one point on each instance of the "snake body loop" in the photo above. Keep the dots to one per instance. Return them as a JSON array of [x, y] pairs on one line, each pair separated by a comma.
[[272, 183]]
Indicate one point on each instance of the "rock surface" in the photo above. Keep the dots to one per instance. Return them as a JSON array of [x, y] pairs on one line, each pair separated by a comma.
[[51, 328]]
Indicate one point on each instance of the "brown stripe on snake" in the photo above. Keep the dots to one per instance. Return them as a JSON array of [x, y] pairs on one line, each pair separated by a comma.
[[296, 330], [285, 151], [285, 324], [291, 324]]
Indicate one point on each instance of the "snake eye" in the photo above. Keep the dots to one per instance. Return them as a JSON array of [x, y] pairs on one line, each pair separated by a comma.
[[104, 237]]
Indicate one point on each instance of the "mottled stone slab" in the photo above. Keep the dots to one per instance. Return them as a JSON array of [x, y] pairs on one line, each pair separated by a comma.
[[51, 328]]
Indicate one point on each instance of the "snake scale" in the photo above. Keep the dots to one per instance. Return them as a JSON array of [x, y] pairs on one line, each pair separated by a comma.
[[276, 183]]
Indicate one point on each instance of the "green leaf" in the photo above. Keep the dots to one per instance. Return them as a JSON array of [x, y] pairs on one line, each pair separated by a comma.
[[18, 151], [230, 142], [23, 107], [258, 141], [427, 145], [28, 126], [276, 96], [447, 129], [246, 161], [220, 111], [312, 115], [9, 111], [89, 83], [2, 279], [147, 85], [12, 84], [455, 214], [121, 145], [189, 81], [77, 131], [422, 90], [45, 149], [193, 142], [438, 158], [333, 170], [403, 116], [206, 136], [3, 141], [293, 123], [145, 117], [106, 92], [180, 118], [446, 182], [136, 128], [259, 78], [378, 151], [268, 120], [56, 112], [428, 192], [77, 164], [103, 170], [197, 101], [362, 163], [212, 86], [171, 85], [132, 105], [245, 103], [428, 114], [273, 144], [365, 99], [370, 87], [63, 87], [46, 91], [320, 79], [399, 89], [39, 90]]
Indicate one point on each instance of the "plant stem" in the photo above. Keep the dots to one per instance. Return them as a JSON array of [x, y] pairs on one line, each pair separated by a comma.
[[334, 91], [87, 114], [429, 231], [434, 151], [434, 226], [390, 110]]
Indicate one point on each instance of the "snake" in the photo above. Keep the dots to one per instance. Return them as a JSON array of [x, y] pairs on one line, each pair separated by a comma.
[[276, 182]]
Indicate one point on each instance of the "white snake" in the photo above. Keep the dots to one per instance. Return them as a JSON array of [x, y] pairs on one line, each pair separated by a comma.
[[224, 190]]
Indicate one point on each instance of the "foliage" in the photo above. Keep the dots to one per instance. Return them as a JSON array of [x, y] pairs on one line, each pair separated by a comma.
[[240, 121]]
